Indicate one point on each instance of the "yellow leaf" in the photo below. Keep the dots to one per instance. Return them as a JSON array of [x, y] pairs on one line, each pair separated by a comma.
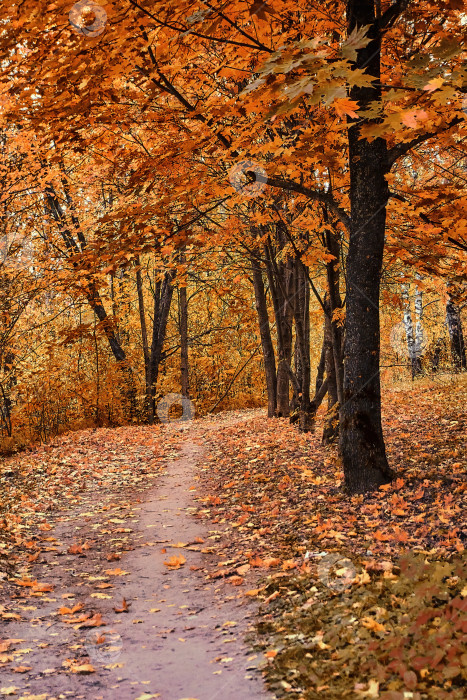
[[100, 595], [116, 572], [82, 668], [433, 84]]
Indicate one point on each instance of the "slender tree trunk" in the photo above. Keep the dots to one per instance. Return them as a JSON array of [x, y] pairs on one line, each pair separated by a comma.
[[269, 358], [331, 427], [334, 303], [360, 431], [296, 387], [144, 333], [456, 335], [280, 278], [333, 337], [75, 248], [183, 329], [162, 301], [283, 381], [413, 336], [320, 370], [302, 325], [418, 329]]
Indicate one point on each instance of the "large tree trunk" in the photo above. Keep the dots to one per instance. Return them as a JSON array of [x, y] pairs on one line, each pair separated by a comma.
[[361, 436], [269, 358]]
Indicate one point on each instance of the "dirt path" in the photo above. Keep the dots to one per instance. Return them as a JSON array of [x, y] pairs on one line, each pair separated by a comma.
[[183, 634]]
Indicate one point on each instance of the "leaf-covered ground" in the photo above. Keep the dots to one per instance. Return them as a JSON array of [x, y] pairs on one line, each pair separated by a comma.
[[112, 595], [73, 469], [359, 597], [339, 617]]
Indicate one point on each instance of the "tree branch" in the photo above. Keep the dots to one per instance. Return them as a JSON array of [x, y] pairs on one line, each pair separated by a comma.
[[401, 149], [316, 195]]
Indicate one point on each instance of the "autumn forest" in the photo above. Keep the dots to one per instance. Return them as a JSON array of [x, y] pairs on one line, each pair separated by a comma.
[[233, 295]]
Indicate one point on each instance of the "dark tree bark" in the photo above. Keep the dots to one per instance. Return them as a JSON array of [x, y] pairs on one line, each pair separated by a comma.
[[296, 386], [331, 427], [280, 279], [307, 411], [269, 358], [333, 336], [456, 335], [321, 367], [334, 303], [162, 301], [436, 354], [142, 317], [183, 330], [361, 436]]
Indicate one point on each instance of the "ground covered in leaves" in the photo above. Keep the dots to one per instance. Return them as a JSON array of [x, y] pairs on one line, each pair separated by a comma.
[[358, 597], [361, 597], [74, 470]]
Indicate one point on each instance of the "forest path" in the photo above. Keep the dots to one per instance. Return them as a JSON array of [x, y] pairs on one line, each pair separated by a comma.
[[182, 636]]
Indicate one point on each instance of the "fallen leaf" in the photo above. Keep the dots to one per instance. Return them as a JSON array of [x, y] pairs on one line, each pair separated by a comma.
[[116, 572], [175, 562], [124, 607], [82, 668]]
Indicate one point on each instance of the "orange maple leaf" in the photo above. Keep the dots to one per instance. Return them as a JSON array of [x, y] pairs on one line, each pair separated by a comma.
[[175, 562], [345, 106]]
